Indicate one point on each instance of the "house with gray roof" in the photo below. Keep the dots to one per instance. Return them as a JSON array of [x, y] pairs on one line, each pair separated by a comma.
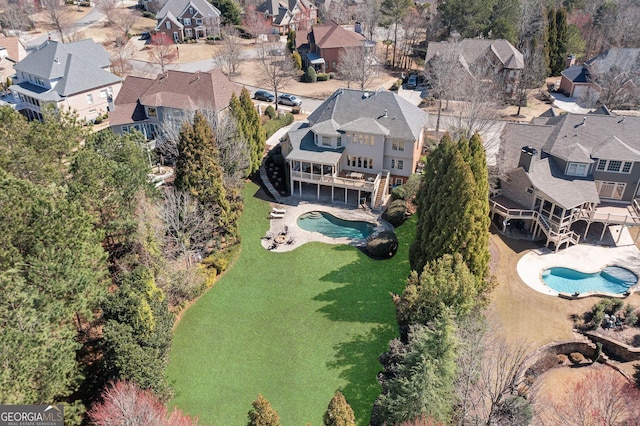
[[498, 55], [616, 70], [73, 76], [558, 173], [355, 145], [181, 20]]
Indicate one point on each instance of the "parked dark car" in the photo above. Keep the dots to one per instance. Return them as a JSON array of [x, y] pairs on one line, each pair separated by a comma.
[[412, 82], [263, 95], [145, 35], [287, 99]]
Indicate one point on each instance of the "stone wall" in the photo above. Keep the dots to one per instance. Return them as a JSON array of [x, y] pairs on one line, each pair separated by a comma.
[[615, 348]]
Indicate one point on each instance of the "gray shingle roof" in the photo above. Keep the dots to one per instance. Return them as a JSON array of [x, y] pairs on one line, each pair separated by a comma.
[[49, 60], [567, 191], [403, 120], [79, 77], [472, 50], [177, 8], [305, 149]]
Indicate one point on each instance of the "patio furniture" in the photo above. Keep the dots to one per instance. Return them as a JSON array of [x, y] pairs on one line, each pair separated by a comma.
[[279, 211]]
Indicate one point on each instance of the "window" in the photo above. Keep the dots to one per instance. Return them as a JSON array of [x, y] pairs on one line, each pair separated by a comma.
[[151, 112], [363, 139], [326, 141], [613, 190], [199, 21], [190, 12], [125, 129], [188, 32], [187, 22], [397, 164], [103, 93], [399, 182], [90, 98], [167, 25], [397, 146], [577, 169], [614, 166], [339, 142]]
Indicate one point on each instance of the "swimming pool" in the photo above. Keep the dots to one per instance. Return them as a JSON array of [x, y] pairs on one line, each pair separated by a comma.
[[333, 227], [612, 279]]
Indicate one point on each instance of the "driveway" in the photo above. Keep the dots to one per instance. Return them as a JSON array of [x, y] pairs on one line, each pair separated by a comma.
[[568, 104]]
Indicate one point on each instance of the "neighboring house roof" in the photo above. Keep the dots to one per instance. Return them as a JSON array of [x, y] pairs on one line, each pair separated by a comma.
[[400, 118], [576, 74], [15, 49], [472, 50], [178, 7], [49, 61], [168, 17], [331, 35], [282, 10], [79, 77], [571, 137], [627, 59], [174, 89]]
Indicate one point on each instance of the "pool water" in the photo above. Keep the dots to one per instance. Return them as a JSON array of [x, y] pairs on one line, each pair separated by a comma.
[[612, 279], [332, 227]]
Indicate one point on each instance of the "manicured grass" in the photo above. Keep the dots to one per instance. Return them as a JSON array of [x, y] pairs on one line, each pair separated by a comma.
[[292, 326]]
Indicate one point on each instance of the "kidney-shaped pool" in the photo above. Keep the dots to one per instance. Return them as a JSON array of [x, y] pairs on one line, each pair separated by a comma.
[[333, 227], [612, 279]]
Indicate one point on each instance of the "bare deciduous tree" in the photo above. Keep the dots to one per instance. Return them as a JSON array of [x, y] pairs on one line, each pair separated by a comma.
[[163, 50], [189, 226], [121, 53], [228, 58], [58, 15], [16, 18], [358, 65], [618, 88], [369, 15], [124, 19], [601, 397], [278, 70], [255, 22], [109, 8]]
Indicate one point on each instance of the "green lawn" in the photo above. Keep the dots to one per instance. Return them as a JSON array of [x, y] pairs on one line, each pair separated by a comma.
[[292, 326]]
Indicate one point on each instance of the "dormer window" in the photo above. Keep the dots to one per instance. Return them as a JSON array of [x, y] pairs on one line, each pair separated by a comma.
[[152, 112], [577, 169]]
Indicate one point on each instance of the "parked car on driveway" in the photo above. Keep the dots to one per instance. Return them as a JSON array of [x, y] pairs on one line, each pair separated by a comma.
[[412, 82], [263, 95], [286, 99]]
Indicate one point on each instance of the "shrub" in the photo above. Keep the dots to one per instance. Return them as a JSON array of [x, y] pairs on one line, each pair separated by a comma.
[[322, 76], [396, 85], [408, 190], [576, 357], [270, 112], [220, 260], [297, 60], [296, 109], [310, 75], [562, 359], [630, 316], [597, 316], [148, 14], [332, 75], [384, 245], [271, 126], [395, 212]]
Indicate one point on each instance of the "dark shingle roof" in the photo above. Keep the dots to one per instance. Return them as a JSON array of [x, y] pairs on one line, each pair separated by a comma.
[[472, 50], [576, 74]]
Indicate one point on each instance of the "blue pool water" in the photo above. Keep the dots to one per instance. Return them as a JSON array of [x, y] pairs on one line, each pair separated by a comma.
[[332, 227], [612, 279]]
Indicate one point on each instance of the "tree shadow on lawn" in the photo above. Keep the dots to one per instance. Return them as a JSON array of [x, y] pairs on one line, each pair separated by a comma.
[[356, 361], [364, 298]]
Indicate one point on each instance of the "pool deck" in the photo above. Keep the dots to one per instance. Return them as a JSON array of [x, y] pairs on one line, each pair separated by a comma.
[[586, 258], [300, 236]]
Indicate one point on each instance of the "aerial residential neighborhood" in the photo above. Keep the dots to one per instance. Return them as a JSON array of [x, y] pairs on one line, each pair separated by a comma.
[[223, 212]]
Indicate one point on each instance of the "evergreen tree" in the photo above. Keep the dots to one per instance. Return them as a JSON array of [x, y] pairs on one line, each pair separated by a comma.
[[421, 381], [504, 20], [291, 41], [297, 60], [256, 134], [558, 39], [52, 270], [394, 12], [137, 332], [230, 11], [445, 281], [451, 205], [197, 168], [339, 412], [263, 414], [470, 18]]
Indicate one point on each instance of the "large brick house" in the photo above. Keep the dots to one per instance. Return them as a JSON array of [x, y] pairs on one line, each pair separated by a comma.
[[73, 76], [325, 43], [285, 15], [354, 146], [181, 20]]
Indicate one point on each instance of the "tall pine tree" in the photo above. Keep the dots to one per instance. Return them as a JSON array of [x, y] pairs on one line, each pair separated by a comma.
[[249, 127], [197, 169], [558, 39]]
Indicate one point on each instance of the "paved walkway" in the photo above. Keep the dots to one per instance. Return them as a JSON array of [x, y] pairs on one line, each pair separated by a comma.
[[583, 257]]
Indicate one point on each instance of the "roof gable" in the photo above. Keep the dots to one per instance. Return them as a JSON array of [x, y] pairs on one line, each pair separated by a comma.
[[178, 8], [471, 51], [331, 35]]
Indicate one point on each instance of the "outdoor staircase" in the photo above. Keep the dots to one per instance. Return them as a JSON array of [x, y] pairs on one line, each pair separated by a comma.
[[381, 190]]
